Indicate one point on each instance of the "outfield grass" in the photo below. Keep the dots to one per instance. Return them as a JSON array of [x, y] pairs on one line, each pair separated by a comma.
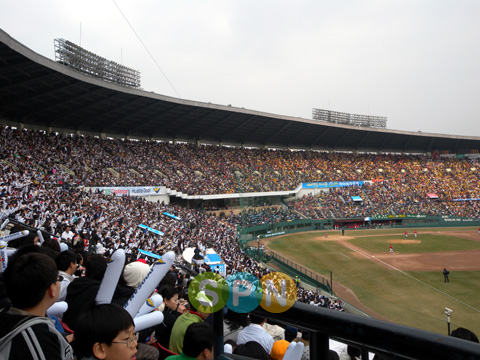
[[410, 298], [426, 243]]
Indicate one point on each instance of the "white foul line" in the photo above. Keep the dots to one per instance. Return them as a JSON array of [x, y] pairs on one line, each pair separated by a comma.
[[341, 254], [367, 255]]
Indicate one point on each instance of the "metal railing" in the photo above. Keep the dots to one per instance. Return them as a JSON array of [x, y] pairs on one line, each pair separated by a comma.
[[370, 335], [316, 279]]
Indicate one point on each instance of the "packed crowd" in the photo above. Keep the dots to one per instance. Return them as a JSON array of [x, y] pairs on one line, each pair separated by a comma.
[[264, 216], [203, 169], [34, 164], [383, 198], [89, 222], [313, 298]]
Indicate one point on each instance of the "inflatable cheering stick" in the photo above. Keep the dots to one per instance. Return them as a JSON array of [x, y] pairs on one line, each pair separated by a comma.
[[151, 304], [40, 237], [145, 321], [57, 309], [146, 288], [110, 279], [3, 256], [5, 223], [14, 236]]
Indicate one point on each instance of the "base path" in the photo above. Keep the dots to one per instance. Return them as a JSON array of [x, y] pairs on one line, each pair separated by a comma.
[[465, 260]]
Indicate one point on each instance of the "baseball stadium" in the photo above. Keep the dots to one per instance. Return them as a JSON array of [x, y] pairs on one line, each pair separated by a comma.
[[378, 228]]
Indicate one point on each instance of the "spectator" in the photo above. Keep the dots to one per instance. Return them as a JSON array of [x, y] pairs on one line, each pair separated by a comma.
[[105, 332], [172, 310], [198, 343], [82, 291], [465, 334], [37, 273], [252, 349], [181, 325], [255, 332], [67, 265]]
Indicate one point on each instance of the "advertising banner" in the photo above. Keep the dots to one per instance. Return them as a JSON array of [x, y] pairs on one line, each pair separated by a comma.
[[398, 216], [331, 184], [132, 190]]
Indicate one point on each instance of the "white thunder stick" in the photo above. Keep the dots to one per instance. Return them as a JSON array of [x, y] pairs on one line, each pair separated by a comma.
[[5, 223], [145, 321], [151, 304], [110, 279], [14, 236], [159, 270], [57, 309], [40, 237], [3, 256]]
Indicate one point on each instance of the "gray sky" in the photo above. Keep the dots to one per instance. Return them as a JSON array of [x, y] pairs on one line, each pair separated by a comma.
[[416, 62]]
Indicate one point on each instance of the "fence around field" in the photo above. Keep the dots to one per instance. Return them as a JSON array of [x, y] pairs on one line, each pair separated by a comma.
[[305, 275], [378, 221]]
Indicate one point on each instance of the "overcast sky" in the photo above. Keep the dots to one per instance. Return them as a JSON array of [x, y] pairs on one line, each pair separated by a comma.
[[417, 62]]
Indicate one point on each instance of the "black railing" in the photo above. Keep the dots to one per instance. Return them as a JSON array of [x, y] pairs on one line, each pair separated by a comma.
[[371, 335], [30, 228], [315, 279]]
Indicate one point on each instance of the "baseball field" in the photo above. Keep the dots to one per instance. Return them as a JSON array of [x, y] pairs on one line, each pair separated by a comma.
[[406, 287]]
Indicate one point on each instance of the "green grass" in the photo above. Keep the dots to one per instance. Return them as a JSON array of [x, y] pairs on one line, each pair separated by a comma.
[[410, 298], [426, 243]]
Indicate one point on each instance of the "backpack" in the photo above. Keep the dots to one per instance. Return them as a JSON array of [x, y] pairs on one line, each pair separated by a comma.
[[24, 328]]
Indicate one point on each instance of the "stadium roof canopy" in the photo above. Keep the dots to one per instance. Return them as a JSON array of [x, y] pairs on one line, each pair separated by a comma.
[[40, 93]]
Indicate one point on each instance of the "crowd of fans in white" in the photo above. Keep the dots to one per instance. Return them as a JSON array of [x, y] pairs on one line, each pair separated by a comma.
[[41, 179], [401, 184]]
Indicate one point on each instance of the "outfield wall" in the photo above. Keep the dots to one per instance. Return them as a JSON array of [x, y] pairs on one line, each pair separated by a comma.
[[378, 221]]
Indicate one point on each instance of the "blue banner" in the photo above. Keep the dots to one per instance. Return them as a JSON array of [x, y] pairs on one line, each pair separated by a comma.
[[149, 253], [172, 216], [148, 228], [331, 184]]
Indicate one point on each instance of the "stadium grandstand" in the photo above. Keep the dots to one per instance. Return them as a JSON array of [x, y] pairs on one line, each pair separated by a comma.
[[103, 167]]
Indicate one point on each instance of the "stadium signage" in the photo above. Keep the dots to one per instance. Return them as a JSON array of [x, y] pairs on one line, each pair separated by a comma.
[[398, 216], [331, 184], [275, 234], [132, 190], [460, 220]]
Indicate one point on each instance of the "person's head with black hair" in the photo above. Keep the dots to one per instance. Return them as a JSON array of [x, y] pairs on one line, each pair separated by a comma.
[[95, 266], [106, 332], [236, 320], [255, 319], [51, 243], [354, 352], [290, 333], [80, 257], [170, 296], [36, 249], [252, 349], [36, 273], [198, 341], [465, 334], [67, 261], [169, 279]]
